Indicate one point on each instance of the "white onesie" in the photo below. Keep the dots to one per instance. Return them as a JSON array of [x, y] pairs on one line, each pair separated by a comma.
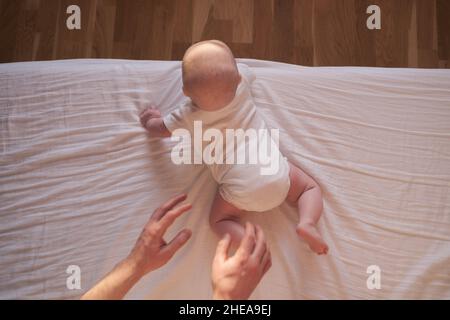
[[247, 186]]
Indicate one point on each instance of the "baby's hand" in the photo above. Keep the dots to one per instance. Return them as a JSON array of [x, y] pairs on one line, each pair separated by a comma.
[[152, 121], [148, 114]]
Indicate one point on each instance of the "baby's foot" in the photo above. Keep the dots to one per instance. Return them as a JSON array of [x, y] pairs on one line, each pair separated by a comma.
[[310, 234]]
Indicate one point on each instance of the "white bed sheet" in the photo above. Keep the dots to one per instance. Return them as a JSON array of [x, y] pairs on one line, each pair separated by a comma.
[[79, 178]]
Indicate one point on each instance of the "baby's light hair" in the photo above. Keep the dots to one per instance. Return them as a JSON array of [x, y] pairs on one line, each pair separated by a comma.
[[215, 70]]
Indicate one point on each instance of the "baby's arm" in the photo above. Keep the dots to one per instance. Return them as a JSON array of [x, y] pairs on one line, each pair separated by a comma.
[[152, 121]]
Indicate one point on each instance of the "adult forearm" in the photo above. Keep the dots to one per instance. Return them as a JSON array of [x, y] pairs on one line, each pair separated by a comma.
[[116, 284]]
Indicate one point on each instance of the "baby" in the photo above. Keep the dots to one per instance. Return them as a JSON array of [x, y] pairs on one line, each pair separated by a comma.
[[220, 98]]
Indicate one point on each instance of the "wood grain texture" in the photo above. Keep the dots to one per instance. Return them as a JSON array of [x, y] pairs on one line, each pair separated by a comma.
[[414, 33]]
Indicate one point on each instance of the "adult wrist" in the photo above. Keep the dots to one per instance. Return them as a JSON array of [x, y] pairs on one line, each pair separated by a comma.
[[220, 295], [134, 270]]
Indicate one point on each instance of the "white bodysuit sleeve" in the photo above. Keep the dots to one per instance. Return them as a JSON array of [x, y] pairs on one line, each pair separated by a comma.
[[246, 72], [179, 118]]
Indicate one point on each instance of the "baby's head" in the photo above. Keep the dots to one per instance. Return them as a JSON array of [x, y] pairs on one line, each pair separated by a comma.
[[210, 75]]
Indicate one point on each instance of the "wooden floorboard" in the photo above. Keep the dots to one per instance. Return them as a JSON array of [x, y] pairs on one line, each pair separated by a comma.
[[414, 33]]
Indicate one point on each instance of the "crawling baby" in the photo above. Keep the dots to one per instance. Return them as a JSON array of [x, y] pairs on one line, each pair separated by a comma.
[[220, 98]]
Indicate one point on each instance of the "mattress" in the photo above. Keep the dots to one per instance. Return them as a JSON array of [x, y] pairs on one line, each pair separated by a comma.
[[79, 177]]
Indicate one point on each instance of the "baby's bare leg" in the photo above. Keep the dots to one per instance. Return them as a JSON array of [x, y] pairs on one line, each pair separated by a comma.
[[225, 218], [306, 194]]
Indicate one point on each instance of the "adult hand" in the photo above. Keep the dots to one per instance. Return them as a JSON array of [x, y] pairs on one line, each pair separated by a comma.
[[150, 252], [237, 276]]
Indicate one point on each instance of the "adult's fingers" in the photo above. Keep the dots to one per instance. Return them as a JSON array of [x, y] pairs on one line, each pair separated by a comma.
[[166, 221], [266, 258], [260, 245], [222, 248], [248, 242], [267, 265], [172, 202], [177, 242]]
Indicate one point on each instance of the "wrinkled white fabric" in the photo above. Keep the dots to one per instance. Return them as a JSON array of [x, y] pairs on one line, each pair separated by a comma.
[[79, 177]]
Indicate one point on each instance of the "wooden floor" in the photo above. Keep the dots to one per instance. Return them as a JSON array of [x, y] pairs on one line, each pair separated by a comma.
[[414, 33]]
